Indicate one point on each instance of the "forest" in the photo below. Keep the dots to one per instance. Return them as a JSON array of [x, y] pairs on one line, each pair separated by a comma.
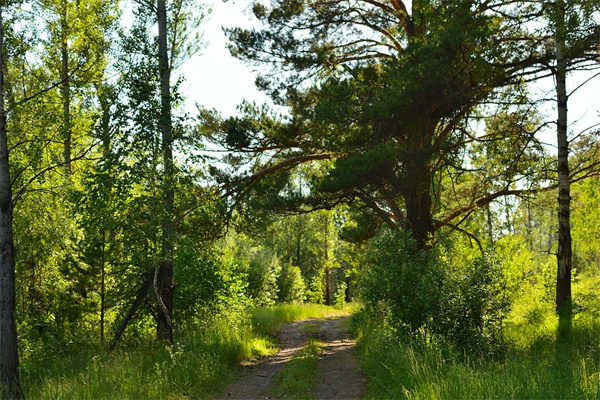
[[421, 177]]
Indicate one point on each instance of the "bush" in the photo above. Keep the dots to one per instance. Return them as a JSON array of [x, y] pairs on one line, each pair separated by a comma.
[[291, 285], [314, 294], [401, 280], [456, 299], [339, 298], [472, 307], [263, 272]]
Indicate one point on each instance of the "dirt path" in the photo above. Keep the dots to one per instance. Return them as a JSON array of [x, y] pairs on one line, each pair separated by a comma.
[[339, 377]]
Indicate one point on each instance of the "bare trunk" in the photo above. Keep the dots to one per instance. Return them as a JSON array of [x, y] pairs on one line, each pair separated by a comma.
[[564, 255], [104, 105], [9, 355], [490, 226], [65, 87], [529, 226], [165, 275], [102, 299], [418, 202], [328, 294]]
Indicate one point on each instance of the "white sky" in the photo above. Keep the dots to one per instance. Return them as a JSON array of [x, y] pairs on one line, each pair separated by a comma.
[[216, 80]]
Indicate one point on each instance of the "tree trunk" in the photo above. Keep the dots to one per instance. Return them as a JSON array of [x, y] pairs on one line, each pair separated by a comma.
[[165, 275], [65, 88], [418, 201], [564, 255], [490, 226], [105, 123], [9, 355]]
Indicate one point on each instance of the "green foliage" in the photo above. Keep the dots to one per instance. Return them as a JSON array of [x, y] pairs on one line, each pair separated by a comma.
[[585, 224], [401, 278], [458, 300], [256, 265], [314, 293], [534, 367], [291, 285], [339, 298], [264, 273], [207, 284], [521, 266]]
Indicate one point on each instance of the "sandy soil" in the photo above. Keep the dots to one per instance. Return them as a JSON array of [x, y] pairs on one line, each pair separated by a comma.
[[339, 377]]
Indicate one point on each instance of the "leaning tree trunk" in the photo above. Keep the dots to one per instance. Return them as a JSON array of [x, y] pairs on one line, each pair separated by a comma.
[[564, 255], [9, 355], [165, 274]]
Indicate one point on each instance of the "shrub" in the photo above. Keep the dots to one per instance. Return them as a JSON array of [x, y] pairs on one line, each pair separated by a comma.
[[440, 294], [263, 272], [339, 298], [291, 285], [399, 278], [314, 294]]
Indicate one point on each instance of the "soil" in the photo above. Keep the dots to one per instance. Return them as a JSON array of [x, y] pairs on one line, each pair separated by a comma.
[[338, 378]]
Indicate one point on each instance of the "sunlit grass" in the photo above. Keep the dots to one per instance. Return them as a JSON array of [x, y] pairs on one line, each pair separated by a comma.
[[299, 377], [269, 320], [536, 365], [200, 364]]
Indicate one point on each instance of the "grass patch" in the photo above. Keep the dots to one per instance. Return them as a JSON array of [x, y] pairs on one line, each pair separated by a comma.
[[299, 377], [536, 365], [311, 329], [269, 320], [199, 365]]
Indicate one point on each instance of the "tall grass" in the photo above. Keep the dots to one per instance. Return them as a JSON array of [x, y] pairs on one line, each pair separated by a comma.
[[269, 320], [536, 364], [199, 365]]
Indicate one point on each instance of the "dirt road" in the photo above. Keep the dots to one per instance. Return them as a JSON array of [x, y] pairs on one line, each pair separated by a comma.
[[338, 374]]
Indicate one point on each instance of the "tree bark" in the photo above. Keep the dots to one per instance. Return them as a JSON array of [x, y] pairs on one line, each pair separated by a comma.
[[490, 226], [165, 275], [105, 123], [65, 87], [9, 355], [328, 294], [564, 255], [418, 200]]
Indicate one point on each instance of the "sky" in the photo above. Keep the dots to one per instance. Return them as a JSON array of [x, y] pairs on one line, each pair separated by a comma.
[[215, 79]]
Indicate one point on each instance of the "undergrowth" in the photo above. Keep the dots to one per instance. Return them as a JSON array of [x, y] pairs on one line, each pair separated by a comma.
[[198, 365], [534, 365]]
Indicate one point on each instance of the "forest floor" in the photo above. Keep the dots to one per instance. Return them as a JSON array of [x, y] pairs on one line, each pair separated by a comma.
[[336, 376]]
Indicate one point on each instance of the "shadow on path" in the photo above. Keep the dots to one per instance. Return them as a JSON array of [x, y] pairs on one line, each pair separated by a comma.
[[338, 374]]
